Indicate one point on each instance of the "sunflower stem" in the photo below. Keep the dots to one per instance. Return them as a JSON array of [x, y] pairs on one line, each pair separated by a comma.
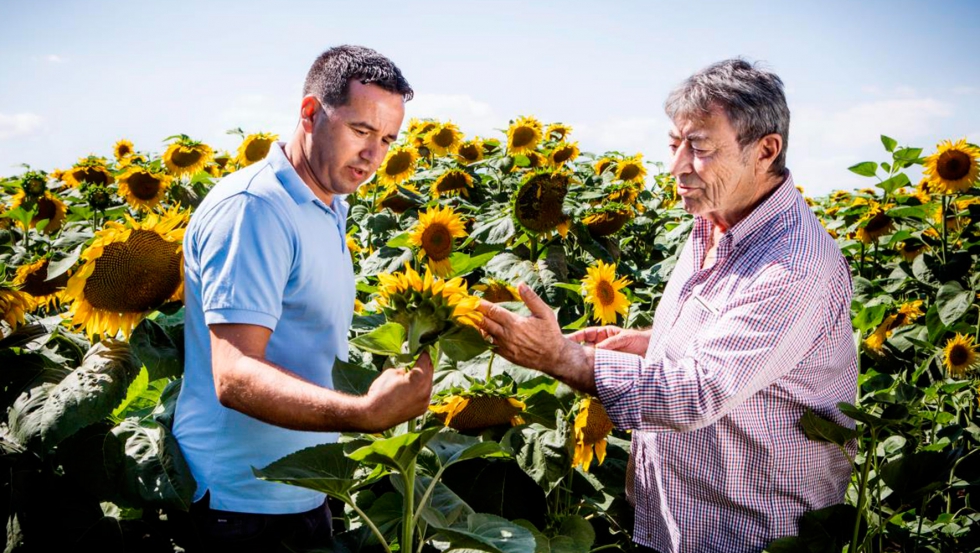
[[533, 245], [374, 529], [408, 517], [862, 491], [493, 354], [942, 223]]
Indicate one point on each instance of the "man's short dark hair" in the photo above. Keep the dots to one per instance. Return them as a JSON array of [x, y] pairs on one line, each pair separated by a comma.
[[750, 96], [330, 75]]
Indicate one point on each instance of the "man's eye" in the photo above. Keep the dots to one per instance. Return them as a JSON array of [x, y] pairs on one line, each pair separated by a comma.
[[673, 148], [360, 132]]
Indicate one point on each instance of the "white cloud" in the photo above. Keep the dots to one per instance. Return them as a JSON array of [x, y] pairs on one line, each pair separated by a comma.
[[471, 115], [54, 58], [965, 90], [903, 119], [18, 124]]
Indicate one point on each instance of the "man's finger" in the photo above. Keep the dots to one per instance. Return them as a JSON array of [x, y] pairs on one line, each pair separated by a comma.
[[491, 327], [615, 342], [534, 302], [495, 312]]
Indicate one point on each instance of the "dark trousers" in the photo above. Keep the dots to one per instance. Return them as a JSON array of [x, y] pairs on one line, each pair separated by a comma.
[[227, 531]]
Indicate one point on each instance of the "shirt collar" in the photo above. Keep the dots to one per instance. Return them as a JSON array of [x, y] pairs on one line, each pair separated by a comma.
[[294, 185], [778, 202]]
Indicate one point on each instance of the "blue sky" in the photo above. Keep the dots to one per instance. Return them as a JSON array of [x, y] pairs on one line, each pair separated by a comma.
[[77, 76]]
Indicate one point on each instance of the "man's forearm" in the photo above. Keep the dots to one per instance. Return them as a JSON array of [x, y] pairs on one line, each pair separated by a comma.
[[576, 367]]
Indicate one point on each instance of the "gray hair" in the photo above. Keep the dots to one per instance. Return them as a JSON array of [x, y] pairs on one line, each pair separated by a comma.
[[751, 97], [330, 75]]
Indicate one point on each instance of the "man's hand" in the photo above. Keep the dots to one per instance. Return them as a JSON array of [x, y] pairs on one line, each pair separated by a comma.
[[398, 395], [614, 338], [536, 342]]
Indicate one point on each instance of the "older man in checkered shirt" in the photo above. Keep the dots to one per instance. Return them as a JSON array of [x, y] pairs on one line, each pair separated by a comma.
[[753, 328]]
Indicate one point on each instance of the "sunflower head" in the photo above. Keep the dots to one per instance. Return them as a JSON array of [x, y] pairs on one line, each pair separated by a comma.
[[602, 290], [127, 271], [14, 306], [401, 198], [840, 196], [631, 169], [959, 355], [563, 153], [143, 188], [607, 219], [398, 166], [90, 170], [99, 198], [254, 148], [471, 151], [123, 149], [452, 182], [186, 157], [444, 139], [875, 223], [953, 168], [32, 279], [557, 131], [434, 235], [910, 249], [498, 291], [523, 135], [34, 183], [48, 208], [592, 426], [472, 412], [908, 313], [603, 164], [539, 201]]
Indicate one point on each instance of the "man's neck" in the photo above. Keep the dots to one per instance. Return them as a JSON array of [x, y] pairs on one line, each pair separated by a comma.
[[724, 220], [298, 158]]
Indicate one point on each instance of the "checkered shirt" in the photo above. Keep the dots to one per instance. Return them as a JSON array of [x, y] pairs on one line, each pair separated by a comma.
[[738, 351]]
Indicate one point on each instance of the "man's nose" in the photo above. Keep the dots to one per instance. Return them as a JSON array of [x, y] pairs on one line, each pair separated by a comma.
[[680, 162]]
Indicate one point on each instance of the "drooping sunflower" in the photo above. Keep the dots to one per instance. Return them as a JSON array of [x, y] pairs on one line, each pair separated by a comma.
[[434, 234], [254, 148], [186, 157], [123, 149], [48, 207], [602, 290], [127, 271], [607, 219], [563, 153], [840, 196], [910, 249], [875, 342], [471, 151], [875, 223], [953, 168], [452, 182], [908, 313], [539, 202], [473, 412], [401, 198], [557, 131], [535, 161], [398, 166], [14, 306], [497, 291], [443, 140], [32, 279], [143, 188], [959, 355], [602, 164], [592, 426], [523, 135], [631, 169], [91, 170]]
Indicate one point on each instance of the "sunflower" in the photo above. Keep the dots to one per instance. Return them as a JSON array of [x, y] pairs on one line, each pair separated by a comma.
[[128, 270], [910, 249], [48, 207], [471, 151], [830, 231], [840, 196], [631, 169], [254, 148], [498, 291], [400, 198], [398, 166], [444, 139], [452, 182], [908, 313], [143, 188], [875, 223], [34, 183], [535, 161], [601, 289], [607, 219], [539, 201], [91, 170], [434, 234], [923, 193], [186, 157], [875, 342], [602, 164], [123, 149], [959, 355], [490, 145], [563, 153], [523, 135], [417, 129], [557, 131], [478, 411], [592, 425], [953, 168], [32, 279], [14, 306]]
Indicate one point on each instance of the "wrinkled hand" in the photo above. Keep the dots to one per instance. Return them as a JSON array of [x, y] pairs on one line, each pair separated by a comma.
[[614, 338], [399, 395], [536, 342]]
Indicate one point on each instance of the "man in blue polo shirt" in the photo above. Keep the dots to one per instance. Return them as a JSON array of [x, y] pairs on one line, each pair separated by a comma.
[[269, 296]]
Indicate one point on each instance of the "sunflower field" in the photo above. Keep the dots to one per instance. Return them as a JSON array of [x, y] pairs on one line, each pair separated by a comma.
[[507, 460]]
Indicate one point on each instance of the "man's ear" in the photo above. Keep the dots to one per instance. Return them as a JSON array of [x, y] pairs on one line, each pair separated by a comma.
[[309, 108], [768, 150]]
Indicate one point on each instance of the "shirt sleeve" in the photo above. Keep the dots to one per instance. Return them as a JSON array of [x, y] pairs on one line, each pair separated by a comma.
[[245, 258], [762, 334]]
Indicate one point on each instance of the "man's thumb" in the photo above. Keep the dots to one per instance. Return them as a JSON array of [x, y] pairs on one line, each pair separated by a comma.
[[616, 342], [534, 302]]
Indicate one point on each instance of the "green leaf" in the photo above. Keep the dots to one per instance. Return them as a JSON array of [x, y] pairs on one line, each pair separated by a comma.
[[484, 532], [60, 267], [579, 531], [521, 160], [953, 302], [156, 350], [387, 339], [495, 231], [892, 184], [822, 430], [544, 454], [870, 317], [918, 212], [323, 468], [136, 389], [352, 379], [395, 452], [934, 324], [579, 323], [889, 143], [452, 447], [463, 343], [865, 168], [912, 476], [909, 155], [155, 473], [443, 507], [386, 260], [49, 413], [463, 264], [399, 241], [830, 528]]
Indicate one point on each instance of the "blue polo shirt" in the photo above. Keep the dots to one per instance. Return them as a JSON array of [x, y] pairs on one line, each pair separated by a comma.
[[261, 249]]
